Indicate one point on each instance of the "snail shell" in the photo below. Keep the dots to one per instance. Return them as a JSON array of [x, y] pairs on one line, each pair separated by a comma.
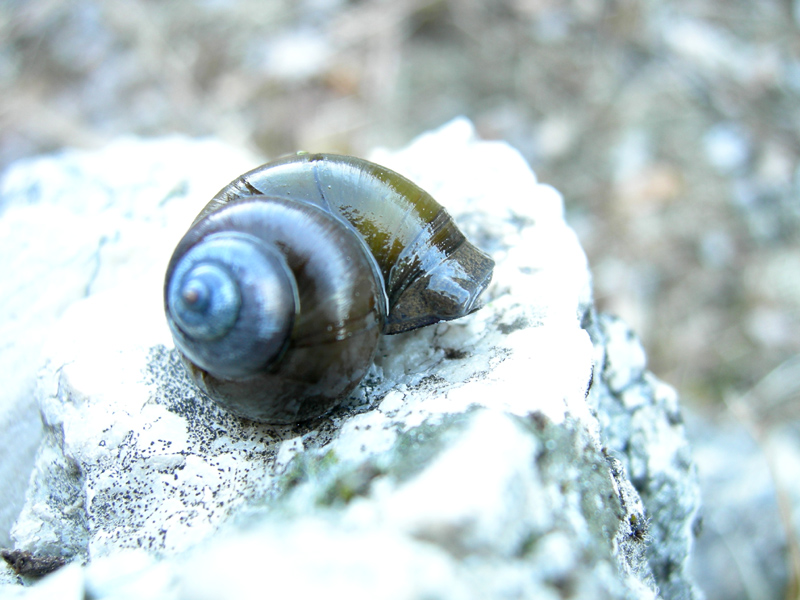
[[279, 291]]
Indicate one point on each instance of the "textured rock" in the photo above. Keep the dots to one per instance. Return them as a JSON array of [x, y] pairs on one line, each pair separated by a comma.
[[642, 426], [470, 462], [71, 225]]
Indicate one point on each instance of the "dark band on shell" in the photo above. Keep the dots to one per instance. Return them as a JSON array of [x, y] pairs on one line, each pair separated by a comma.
[[277, 294]]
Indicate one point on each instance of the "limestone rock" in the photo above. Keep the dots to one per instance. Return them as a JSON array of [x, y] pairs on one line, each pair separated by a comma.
[[519, 452], [73, 224]]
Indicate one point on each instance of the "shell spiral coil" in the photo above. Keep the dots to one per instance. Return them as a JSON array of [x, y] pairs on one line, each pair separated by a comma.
[[279, 291]]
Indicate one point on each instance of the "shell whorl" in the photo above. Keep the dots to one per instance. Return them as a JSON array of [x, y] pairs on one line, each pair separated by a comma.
[[231, 303], [312, 308], [278, 293]]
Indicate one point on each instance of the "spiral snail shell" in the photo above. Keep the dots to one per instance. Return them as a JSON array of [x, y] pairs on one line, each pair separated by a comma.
[[279, 291]]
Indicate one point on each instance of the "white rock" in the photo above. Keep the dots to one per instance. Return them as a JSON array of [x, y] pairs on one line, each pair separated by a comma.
[[468, 456], [73, 224], [449, 505]]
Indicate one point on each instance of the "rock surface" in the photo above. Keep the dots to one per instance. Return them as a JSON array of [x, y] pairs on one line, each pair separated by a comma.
[[523, 451], [71, 225]]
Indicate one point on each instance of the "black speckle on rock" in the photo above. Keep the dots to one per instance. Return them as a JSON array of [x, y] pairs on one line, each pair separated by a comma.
[[455, 353], [589, 385], [639, 525], [516, 325]]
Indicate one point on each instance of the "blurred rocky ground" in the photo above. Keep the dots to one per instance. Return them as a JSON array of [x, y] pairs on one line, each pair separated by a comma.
[[671, 128]]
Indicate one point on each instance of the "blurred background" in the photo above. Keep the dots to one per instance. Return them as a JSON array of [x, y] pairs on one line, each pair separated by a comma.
[[670, 127]]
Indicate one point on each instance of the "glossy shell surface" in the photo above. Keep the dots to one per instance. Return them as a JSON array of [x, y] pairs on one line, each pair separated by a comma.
[[352, 250]]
